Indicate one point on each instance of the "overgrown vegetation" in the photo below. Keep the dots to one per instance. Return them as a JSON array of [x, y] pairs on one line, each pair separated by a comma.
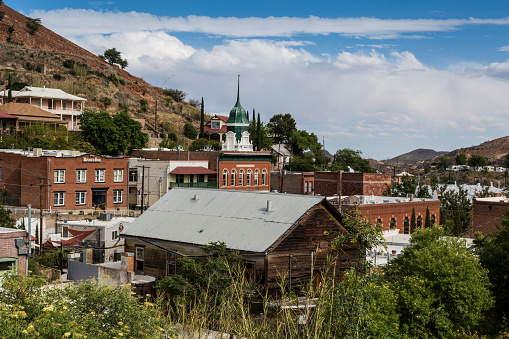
[[33, 25]]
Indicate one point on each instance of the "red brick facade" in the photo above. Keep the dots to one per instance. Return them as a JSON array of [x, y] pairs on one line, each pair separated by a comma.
[[8, 249], [245, 171], [75, 182], [345, 183], [293, 182], [487, 215], [398, 211]]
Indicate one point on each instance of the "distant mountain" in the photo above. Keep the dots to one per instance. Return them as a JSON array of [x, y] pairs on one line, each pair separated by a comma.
[[414, 156], [493, 149]]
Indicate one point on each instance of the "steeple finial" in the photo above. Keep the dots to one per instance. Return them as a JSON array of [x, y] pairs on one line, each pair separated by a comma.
[[238, 91]]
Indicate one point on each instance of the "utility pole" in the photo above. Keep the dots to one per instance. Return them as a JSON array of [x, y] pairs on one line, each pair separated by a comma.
[[155, 119], [143, 187], [41, 185], [323, 140]]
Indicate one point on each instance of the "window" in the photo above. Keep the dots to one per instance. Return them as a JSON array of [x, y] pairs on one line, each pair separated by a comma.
[[1, 174], [180, 178], [419, 222], [241, 177], [114, 235], [256, 177], [232, 177], [64, 106], [264, 177], [118, 175], [117, 196], [248, 177], [310, 187], [406, 226], [133, 174], [305, 187], [58, 199], [81, 176], [171, 265], [99, 175], [140, 254], [225, 177], [201, 177], [191, 177], [393, 223], [59, 176], [379, 222], [215, 125], [81, 198], [433, 219], [8, 264]]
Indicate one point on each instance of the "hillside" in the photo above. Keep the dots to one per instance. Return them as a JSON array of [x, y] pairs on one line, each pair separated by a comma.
[[414, 156], [493, 150], [47, 59]]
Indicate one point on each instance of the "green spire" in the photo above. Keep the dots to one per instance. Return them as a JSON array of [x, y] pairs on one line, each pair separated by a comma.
[[238, 122]]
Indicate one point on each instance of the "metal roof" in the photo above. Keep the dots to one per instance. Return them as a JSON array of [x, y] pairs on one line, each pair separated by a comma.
[[43, 92], [237, 218]]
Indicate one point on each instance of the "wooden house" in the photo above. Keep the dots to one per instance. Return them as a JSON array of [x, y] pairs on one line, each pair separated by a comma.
[[276, 234]]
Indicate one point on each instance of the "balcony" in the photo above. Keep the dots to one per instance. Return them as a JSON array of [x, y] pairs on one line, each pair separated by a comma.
[[64, 111], [210, 184]]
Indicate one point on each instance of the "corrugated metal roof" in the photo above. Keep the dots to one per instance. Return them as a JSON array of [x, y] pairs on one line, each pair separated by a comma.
[[192, 170], [238, 218]]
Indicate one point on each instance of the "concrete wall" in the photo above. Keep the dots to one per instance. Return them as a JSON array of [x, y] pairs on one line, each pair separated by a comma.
[[77, 270]]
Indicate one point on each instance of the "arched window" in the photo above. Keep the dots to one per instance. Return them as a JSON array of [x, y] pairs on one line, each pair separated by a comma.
[[256, 177], [241, 177], [419, 222], [433, 219], [232, 178], [393, 223], [248, 178], [379, 222], [406, 226], [264, 177], [225, 177]]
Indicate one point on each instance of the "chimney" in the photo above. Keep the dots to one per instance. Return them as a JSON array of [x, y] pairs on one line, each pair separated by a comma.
[[269, 206], [127, 262]]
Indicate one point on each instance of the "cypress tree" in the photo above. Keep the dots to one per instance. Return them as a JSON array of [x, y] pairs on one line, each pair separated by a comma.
[[9, 96], [202, 120], [427, 222], [413, 224], [258, 134], [254, 118]]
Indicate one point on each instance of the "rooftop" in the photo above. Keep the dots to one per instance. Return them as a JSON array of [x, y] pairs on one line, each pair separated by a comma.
[[42, 92]]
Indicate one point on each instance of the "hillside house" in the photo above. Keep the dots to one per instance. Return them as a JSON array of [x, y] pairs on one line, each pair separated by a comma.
[[276, 234], [14, 116], [66, 106], [215, 129]]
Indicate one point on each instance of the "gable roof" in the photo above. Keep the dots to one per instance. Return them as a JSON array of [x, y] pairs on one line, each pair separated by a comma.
[[42, 92], [4, 115], [237, 218], [27, 112], [192, 170]]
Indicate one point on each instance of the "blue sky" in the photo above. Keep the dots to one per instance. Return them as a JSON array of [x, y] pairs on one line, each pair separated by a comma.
[[382, 77]]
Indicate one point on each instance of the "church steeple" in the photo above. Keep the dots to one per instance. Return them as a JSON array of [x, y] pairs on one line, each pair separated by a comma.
[[238, 92], [238, 122]]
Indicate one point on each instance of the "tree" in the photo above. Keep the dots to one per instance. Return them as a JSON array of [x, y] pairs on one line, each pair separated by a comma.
[[190, 131], [427, 221], [5, 218], [112, 56], [441, 288], [199, 144], [112, 135], [281, 127], [2, 15], [33, 25], [176, 94], [304, 162], [456, 207], [202, 119], [493, 253], [413, 222], [445, 162], [461, 159], [477, 160], [348, 157], [168, 143]]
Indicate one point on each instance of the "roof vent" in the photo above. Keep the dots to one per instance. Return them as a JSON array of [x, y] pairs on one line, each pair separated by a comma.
[[196, 197], [269, 206]]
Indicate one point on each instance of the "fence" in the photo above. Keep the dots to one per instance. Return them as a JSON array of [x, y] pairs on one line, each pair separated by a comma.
[[35, 212]]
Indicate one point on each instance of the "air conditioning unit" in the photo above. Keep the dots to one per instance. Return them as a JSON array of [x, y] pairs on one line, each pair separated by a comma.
[[105, 216]]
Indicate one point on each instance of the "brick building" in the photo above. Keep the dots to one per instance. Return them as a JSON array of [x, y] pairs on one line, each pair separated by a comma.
[[245, 171], [394, 212], [70, 180], [487, 213], [346, 183], [293, 182], [13, 250]]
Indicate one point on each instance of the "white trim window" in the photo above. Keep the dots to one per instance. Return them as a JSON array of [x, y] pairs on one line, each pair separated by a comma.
[[232, 178], [256, 177], [118, 175], [81, 176], [58, 198], [59, 177], [99, 175], [81, 198], [248, 177], [264, 177], [241, 177], [225, 177], [117, 196]]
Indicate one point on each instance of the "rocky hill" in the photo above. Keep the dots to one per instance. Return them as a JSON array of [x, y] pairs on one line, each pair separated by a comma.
[[414, 156], [44, 58], [493, 150]]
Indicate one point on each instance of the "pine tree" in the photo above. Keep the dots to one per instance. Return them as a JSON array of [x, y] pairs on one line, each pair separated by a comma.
[[254, 118], [37, 233], [202, 120], [413, 224], [9, 96], [427, 221], [258, 134]]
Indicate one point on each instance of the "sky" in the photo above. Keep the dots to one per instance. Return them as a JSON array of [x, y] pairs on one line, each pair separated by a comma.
[[382, 77]]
